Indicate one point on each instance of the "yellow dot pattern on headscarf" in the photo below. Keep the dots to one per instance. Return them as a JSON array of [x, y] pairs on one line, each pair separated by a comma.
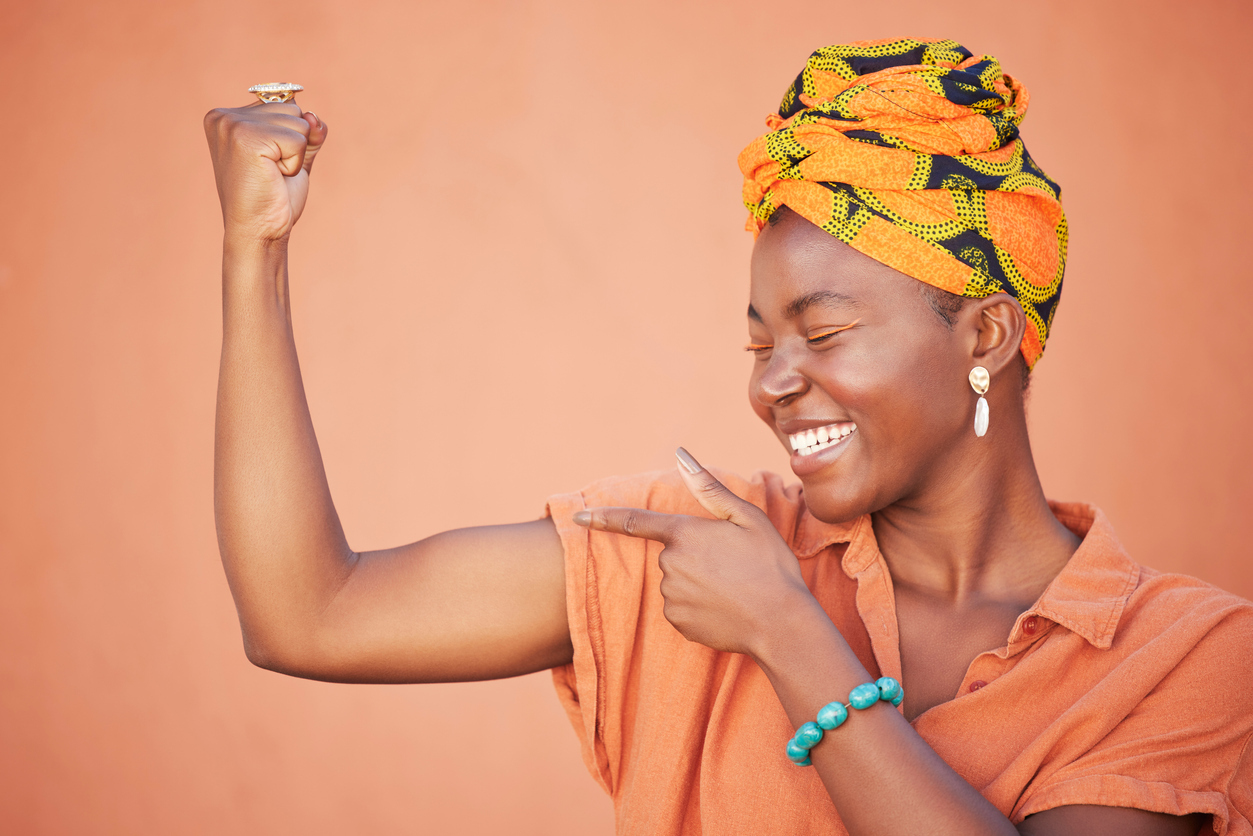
[[908, 151]]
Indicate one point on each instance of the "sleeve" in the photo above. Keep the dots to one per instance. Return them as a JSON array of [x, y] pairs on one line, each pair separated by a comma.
[[1185, 746], [579, 685], [608, 581], [617, 621]]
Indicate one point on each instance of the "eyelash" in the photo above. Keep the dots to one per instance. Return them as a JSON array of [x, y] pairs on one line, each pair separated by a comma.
[[814, 340]]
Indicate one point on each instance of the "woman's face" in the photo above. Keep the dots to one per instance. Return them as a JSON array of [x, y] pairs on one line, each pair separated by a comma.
[[889, 390]]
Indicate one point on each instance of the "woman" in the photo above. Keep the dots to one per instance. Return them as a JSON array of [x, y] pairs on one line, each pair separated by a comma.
[[906, 270]]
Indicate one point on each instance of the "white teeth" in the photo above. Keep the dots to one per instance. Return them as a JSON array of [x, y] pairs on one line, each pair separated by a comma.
[[808, 442]]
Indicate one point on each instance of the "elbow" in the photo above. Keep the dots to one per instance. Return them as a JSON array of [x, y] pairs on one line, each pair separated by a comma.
[[263, 653], [297, 656], [278, 654]]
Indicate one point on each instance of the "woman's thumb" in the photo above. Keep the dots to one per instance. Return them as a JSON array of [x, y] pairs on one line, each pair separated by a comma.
[[317, 137], [713, 496]]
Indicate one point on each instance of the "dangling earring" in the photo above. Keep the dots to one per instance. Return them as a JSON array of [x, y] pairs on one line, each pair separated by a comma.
[[979, 380]]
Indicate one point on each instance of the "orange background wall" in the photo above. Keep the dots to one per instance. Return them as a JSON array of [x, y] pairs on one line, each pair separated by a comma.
[[522, 268]]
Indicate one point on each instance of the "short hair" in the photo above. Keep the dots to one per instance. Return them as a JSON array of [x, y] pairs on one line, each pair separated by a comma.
[[777, 215], [946, 305]]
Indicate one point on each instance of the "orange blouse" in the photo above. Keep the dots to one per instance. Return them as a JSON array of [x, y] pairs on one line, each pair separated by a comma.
[[1121, 686]]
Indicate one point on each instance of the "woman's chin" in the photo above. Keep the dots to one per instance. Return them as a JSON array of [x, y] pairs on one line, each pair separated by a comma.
[[832, 504]]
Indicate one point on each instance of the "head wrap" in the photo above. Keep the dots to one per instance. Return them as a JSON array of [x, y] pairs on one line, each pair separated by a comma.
[[908, 151]]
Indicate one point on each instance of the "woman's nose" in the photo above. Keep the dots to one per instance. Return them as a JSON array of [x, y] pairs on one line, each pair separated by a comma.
[[779, 381]]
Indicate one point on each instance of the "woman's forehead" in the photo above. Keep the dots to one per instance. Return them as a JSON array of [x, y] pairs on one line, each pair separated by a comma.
[[796, 266]]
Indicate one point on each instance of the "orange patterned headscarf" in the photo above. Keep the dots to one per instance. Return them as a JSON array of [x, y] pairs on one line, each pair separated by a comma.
[[908, 151]]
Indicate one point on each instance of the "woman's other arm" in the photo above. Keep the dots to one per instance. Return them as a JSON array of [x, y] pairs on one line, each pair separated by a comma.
[[471, 604]]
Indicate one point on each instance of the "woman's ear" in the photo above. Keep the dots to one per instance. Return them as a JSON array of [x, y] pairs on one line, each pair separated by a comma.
[[997, 325]]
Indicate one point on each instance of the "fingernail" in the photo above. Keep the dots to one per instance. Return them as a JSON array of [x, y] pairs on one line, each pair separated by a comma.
[[315, 117], [582, 517], [686, 461]]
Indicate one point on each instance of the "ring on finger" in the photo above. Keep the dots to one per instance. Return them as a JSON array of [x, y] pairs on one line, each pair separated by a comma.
[[275, 92]]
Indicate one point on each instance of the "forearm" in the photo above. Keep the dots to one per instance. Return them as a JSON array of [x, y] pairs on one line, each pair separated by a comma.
[[281, 542], [881, 775]]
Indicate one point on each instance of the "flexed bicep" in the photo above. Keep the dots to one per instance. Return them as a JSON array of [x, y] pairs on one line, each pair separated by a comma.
[[468, 604]]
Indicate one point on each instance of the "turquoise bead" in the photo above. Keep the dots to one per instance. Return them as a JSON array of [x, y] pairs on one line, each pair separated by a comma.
[[898, 698], [864, 696], [797, 753], [808, 735], [832, 714], [889, 688], [806, 762]]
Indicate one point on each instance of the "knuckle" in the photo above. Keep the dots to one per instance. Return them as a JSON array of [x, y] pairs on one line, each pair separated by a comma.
[[712, 488], [218, 120], [630, 522], [751, 511], [231, 128]]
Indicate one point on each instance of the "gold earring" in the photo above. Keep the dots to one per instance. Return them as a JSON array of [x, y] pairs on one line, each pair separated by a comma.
[[979, 380]]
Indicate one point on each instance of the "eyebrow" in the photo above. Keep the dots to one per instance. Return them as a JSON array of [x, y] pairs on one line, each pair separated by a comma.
[[803, 303]]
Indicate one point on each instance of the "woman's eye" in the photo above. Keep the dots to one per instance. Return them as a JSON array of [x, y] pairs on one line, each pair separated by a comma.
[[822, 337], [758, 348]]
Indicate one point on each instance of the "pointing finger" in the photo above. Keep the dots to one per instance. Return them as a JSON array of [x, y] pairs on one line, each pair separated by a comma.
[[633, 522], [713, 496]]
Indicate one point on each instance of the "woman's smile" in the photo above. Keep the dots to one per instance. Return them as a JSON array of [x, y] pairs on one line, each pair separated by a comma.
[[806, 442], [813, 450]]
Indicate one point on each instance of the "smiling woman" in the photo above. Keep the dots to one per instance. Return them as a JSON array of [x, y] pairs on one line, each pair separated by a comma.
[[950, 652]]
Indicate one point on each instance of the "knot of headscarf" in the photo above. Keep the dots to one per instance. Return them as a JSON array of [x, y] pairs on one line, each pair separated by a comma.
[[908, 151]]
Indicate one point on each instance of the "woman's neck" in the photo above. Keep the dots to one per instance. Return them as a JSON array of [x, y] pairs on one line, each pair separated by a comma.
[[982, 529]]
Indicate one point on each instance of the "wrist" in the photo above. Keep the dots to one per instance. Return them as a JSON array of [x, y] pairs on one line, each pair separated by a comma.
[[254, 274], [798, 622], [254, 264], [241, 244]]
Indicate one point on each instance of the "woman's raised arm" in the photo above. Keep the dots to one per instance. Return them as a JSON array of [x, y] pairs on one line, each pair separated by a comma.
[[471, 604]]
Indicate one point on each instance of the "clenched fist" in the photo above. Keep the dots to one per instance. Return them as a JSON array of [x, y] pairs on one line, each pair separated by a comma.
[[262, 155]]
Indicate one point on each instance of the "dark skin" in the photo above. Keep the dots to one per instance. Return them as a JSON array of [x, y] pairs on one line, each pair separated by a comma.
[[915, 462], [489, 602]]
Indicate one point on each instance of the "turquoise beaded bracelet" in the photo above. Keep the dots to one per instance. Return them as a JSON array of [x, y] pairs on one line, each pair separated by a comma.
[[833, 714]]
